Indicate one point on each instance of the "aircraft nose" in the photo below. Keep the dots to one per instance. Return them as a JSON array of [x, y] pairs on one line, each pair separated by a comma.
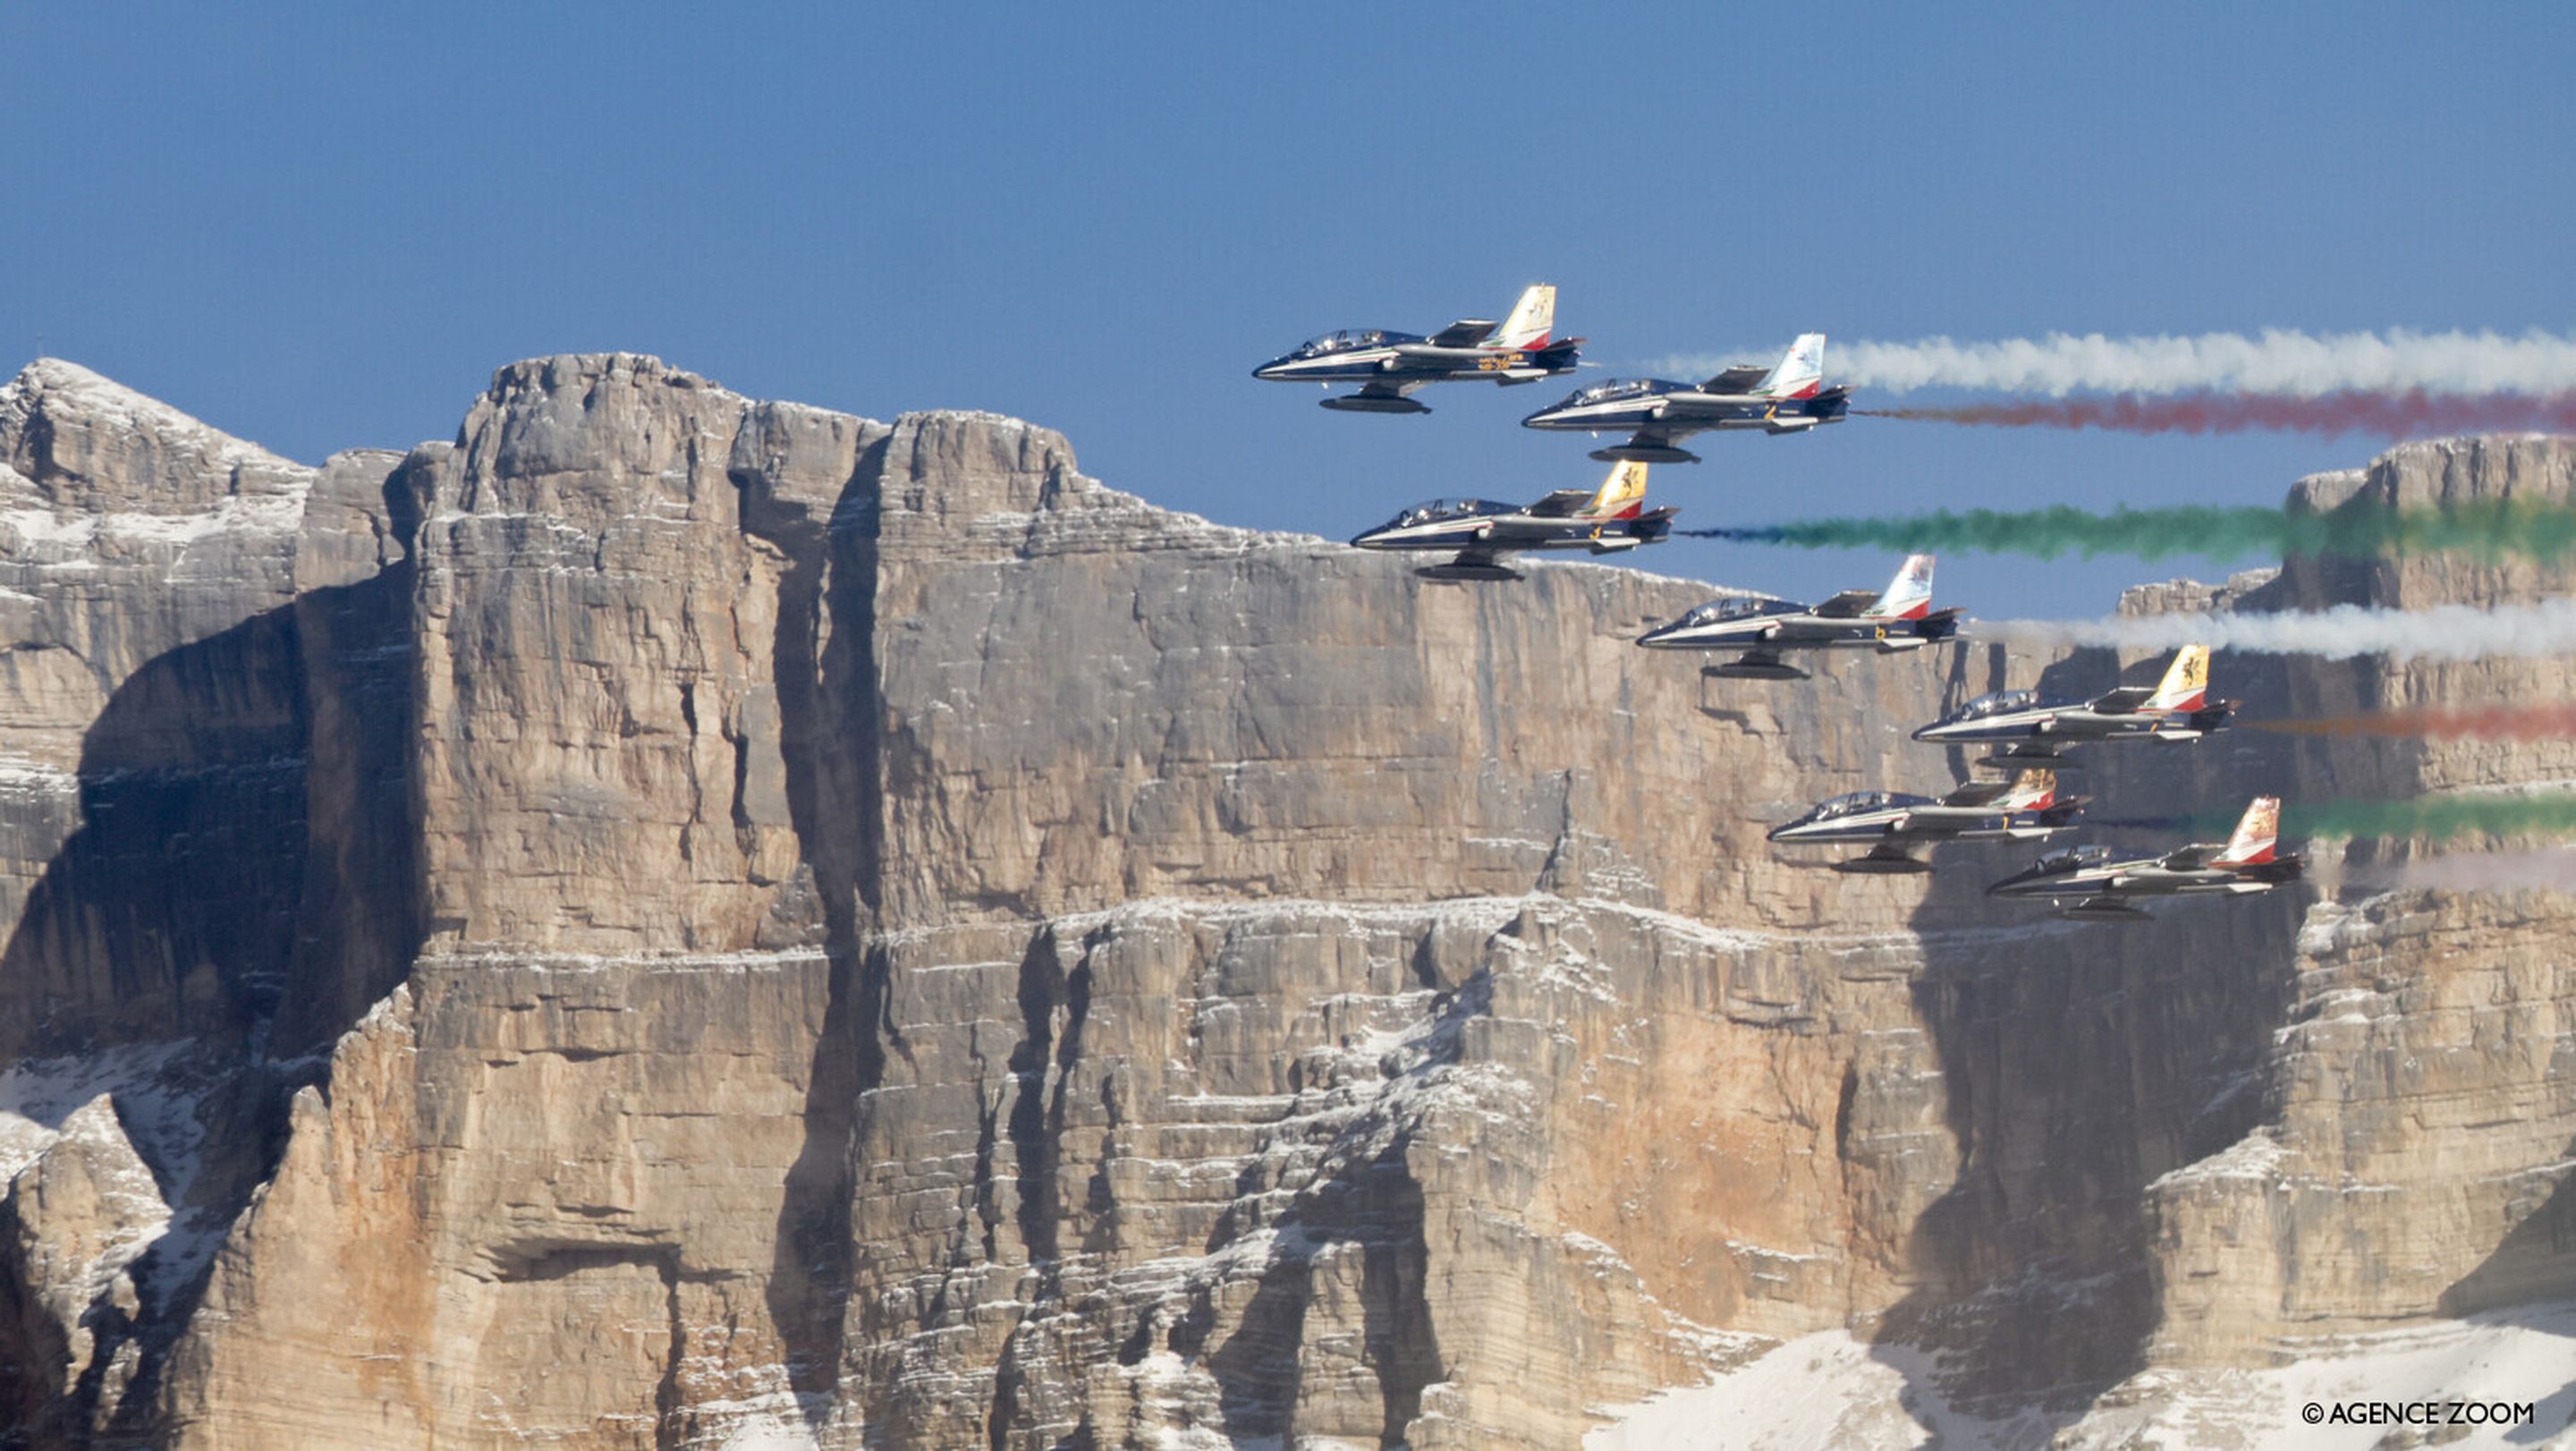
[[1270, 370]]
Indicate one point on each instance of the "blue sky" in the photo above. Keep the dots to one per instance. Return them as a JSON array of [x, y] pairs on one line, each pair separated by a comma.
[[322, 228]]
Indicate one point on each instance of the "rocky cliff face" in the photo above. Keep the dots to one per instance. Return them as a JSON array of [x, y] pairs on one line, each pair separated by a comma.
[[685, 921]]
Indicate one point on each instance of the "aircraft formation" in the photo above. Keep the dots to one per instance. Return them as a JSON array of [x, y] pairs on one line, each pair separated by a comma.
[[2027, 733]]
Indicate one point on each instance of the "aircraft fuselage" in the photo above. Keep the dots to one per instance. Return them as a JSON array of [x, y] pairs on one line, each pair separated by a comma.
[[2073, 722], [1514, 533], [2134, 877], [1677, 410], [1798, 631], [1920, 822], [1414, 362]]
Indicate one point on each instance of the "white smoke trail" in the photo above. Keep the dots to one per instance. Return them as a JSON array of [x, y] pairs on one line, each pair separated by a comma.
[[2275, 361], [2552, 870], [2443, 632]]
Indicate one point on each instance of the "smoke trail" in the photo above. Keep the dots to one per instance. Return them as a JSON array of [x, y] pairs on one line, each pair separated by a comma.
[[2387, 415], [2437, 818], [2443, 632], [2443, 817], [2551, 721], [2491, 527], [2277, 361], [2501, 871]]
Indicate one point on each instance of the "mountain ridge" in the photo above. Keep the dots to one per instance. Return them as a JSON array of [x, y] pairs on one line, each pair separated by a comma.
[[724, 920]]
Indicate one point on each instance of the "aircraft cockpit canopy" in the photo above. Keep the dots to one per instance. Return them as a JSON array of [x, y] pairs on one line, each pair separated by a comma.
[[1432, 510], [1997, 703], [1349, 338], [1617, 388], [2071, 858], [1854, 803], [1738, 607]]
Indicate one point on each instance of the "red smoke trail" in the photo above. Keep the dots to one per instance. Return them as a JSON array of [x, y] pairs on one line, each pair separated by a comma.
[[2389, 415], [2488, 722]]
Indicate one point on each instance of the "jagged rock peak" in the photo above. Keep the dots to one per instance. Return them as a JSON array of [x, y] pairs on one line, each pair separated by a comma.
[[86, 441], [561, 371], [2449, 471], [562, 415]]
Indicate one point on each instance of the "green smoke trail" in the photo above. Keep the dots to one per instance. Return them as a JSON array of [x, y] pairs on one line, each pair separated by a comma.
[[2439, 817], [2488, 528]]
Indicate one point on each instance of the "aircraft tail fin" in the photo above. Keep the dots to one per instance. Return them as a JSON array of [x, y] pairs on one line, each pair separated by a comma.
[[1909, 595], [1622, 495], [1801, 371], [2186, 682], [1533, 319], [2251, 845], [2033, 790]]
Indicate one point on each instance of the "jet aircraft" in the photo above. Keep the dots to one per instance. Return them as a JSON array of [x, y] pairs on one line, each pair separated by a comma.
[[1790, 397], [2103, 884], [1389, 366], [1891, 823], [1899, 617], [1601, 521], [2178, 709]]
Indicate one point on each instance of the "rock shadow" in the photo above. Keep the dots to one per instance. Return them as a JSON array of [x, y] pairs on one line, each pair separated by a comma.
[[2529, 1280], [2535, 1263], [241, 881], [824, 664], [2077, 1062]]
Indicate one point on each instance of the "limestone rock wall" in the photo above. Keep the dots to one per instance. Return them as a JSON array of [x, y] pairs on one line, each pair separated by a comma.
[[2414, 1150], [838, 933]]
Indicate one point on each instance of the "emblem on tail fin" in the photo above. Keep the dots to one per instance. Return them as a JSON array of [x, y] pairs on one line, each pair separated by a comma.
[[2032, 790], [2255, 834], [1909, 595], [1533, 319], [1622, 495], [1801, 372], [2186, 682]]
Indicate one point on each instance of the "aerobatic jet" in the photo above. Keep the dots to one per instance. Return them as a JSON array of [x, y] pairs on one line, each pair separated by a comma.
[[1389, 366], [1789, 397], [1600, 521], [2103, 885], [1899, 617], [1892, 823], [2178, 709]]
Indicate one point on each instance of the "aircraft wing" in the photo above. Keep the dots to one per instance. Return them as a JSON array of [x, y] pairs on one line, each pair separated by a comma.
[[1466, 332], [1385, 388], [2104, 906], [1978, 793], [1560, 504], [1739, 379], [2123, 700], [1847, 605]]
